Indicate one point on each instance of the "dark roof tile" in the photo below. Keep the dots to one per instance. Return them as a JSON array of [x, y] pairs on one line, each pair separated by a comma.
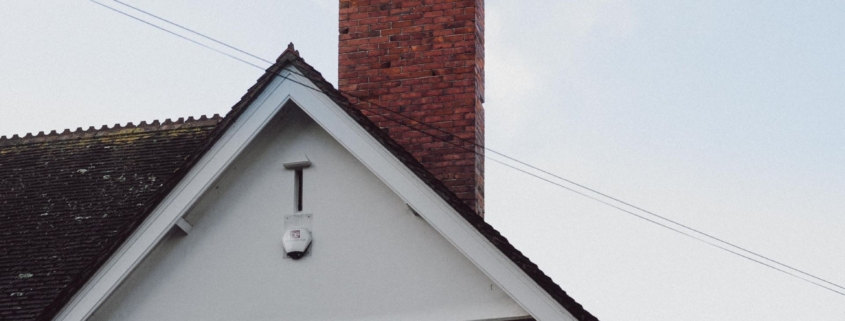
[[66, 198]]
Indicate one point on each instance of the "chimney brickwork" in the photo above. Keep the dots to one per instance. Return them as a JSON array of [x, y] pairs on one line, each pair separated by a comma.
[[423, 59]]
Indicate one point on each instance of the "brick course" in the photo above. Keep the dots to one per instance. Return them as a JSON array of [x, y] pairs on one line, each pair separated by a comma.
[[423, 59]]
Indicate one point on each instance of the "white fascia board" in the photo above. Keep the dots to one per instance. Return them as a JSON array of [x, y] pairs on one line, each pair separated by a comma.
[[425, 201], [507, 319], [439, 214], [175, 205]]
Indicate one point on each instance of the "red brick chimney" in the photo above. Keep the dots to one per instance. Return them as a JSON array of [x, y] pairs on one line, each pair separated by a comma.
[[423, 59]]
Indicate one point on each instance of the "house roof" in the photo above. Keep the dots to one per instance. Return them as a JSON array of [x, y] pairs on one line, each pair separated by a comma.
[[66, 199], [45, 297]]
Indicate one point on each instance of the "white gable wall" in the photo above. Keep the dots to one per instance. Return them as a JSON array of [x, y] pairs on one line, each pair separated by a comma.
[[372, 259]]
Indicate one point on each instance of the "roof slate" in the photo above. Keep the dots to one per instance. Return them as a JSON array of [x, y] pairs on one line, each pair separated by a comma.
[[66, 199]]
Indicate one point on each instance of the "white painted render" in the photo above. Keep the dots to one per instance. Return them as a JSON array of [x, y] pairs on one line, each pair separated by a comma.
[[371, 259]]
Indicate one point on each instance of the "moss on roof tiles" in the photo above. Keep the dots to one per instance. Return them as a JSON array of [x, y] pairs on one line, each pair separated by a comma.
[[66, 198]]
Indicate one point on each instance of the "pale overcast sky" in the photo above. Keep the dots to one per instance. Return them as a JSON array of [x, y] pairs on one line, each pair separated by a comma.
[[727, 116]]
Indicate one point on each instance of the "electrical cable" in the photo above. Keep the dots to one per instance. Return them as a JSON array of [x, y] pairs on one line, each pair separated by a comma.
[[423, 131], [178, 35], [193, 32], [592, 190], [607, 203], [595, 191]]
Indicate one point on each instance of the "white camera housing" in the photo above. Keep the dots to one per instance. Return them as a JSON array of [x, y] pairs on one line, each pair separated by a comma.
[[297, 237], [296, 242]]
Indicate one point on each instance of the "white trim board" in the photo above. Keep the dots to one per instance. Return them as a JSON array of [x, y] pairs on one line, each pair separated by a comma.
[[419, 196], [174, 206]]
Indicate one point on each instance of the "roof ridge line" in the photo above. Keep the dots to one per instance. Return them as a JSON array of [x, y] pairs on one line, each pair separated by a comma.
[[105, 130]]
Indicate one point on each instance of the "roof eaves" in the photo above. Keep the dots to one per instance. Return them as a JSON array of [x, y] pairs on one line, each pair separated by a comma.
[[252, 93]]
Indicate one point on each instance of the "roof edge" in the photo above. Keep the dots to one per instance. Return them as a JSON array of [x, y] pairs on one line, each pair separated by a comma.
[[105, 130], [149, 206]]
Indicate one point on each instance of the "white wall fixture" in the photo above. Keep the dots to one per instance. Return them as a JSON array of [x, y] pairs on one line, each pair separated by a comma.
[[184, 225], [298, 162], [297, 165], [297, 236]]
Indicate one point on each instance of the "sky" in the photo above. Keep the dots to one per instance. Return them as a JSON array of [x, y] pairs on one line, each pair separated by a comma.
[[726, 116]]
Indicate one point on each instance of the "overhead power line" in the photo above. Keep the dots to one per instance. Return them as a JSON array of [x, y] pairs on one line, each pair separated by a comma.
[[193, 32], [178, 35], [678, 227], [613, 205]]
